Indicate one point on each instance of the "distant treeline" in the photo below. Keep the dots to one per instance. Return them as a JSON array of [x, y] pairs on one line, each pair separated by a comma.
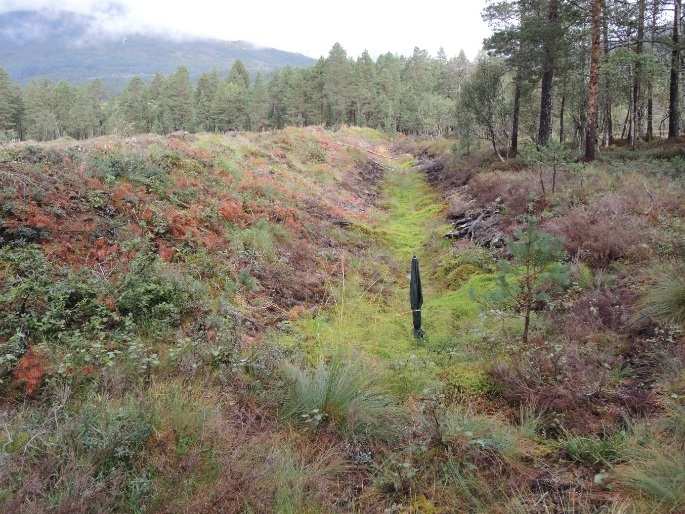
[[413, 95], [580, 72]]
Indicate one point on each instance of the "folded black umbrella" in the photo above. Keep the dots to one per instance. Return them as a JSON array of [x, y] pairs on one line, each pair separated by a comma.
[[416, 297]]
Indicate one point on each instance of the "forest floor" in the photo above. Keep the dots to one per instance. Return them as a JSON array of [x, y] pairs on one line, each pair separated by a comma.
[[207, 323]]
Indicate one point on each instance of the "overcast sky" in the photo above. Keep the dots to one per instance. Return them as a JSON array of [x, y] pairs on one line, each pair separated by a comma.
[[307, 26]]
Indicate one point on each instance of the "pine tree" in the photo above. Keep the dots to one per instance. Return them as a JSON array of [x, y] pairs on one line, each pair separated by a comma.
[[552, 33], [132, 110], [259, 104], [205, 91], [483, 100], [674, 99], [364, 95], [178, 101], [156, 105], [593, 86], [238, 75], [41, 121], [229, 109], [336, 88], [10, 106], [534, 273]]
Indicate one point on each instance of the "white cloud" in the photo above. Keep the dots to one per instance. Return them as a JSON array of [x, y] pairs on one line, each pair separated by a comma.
[[307, 26]]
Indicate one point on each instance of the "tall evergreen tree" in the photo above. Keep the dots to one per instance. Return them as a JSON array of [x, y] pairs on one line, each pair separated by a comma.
[[674, 99], [178, 102], [238, 74], [593, 86], [336, 87], [10, 106], [205, 92], [552, 32]]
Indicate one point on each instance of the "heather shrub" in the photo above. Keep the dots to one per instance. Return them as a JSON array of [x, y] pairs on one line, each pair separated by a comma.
[[515, 190], [595, 313], [600, 237], [561, 382], [655, 197]]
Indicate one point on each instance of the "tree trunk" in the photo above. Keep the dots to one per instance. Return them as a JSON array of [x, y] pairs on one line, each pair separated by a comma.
[[608, 117], [650, 111], [562, 109], [637, 77], [545, 126], [493, 140], [515, 115], [674, 103], [593, 86], [650, 83], [625, 122]]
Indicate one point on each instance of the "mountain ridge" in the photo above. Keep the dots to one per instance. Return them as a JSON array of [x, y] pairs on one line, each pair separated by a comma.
[[60, 45]]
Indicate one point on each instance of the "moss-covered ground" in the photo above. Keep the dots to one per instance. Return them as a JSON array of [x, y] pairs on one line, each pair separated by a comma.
[[371, 316]]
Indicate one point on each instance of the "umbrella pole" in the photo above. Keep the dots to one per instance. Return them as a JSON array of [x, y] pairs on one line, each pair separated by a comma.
[[416, 298]]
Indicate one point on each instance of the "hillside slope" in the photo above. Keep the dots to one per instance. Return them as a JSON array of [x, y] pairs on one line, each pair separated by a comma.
[[61, 46], [220, 323]]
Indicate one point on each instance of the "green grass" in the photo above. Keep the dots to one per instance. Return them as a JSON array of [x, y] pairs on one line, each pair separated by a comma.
[[593, 450], [342, 393], [412, 214], [658, 475], [478, 431], [375, 320], [664, 300]]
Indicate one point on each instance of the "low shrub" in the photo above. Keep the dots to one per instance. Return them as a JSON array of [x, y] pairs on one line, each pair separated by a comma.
[[599, 238], [67, 457], [274, 474], [516, 191], [113, 165], [42, 305], [259, 240], [113, 437], [150, 292], [315, 153]]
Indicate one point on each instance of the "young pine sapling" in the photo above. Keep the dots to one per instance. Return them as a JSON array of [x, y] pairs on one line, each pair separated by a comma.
[[533, 275]]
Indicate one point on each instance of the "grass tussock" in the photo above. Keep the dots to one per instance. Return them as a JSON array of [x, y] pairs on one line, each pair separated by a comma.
[[342, 394], [664, 300]]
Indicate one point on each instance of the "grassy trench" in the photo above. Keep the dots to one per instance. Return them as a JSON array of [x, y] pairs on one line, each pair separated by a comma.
[[371, 318]]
